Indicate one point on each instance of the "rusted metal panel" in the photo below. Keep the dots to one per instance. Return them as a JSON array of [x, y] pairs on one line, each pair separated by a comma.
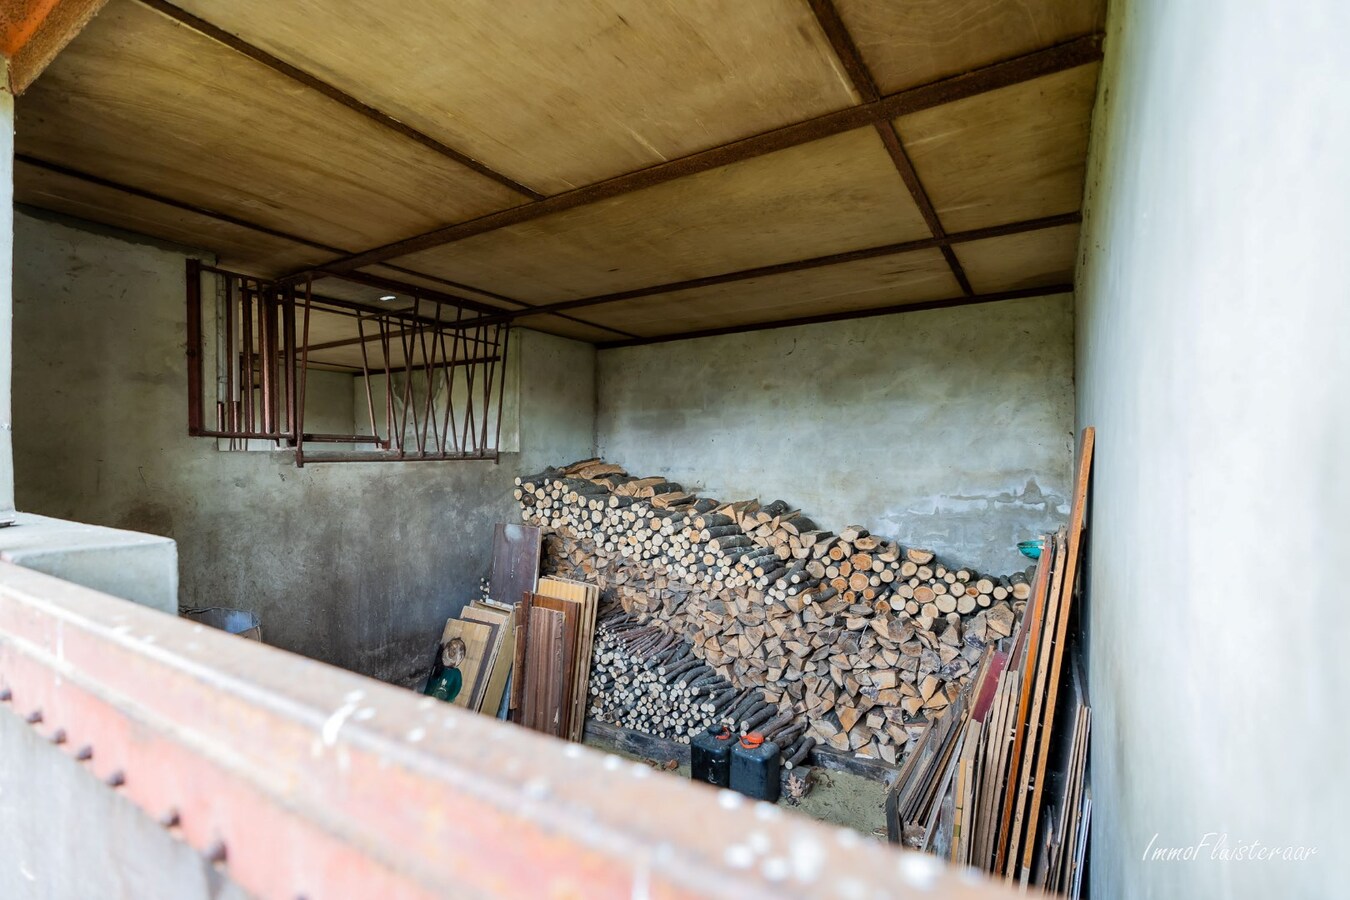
[[301, 780]]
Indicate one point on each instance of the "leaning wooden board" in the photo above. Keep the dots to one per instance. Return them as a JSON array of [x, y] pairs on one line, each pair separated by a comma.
[[588, 596], [503, 652], [476, 637], [1077, 524], [561, 661]]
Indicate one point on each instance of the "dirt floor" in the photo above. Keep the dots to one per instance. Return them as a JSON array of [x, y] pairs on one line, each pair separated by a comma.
[[837, 797]]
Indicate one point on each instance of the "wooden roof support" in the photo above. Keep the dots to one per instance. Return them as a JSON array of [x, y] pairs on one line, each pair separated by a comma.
[[219, 35], [966, 300], [1064, 56], [296, 239], [827, 15]]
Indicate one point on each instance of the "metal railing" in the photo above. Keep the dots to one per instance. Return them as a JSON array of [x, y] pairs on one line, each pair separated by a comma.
[[434, 385]]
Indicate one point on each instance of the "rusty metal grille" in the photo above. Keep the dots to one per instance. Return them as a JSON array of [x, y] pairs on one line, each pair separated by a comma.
[[429, 368]]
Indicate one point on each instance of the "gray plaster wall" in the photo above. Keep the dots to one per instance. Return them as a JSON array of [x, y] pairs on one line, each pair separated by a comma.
[[1213, 318], [948, 429], [356, 564]]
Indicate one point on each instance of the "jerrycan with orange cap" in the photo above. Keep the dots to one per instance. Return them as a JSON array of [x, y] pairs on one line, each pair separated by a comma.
[[710, 756], [754, 767]]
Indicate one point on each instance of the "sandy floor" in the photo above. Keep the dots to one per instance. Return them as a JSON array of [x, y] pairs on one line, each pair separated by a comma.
[[837, 797]]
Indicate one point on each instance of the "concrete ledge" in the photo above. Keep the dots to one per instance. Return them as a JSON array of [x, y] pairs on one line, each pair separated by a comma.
[[142, 568]]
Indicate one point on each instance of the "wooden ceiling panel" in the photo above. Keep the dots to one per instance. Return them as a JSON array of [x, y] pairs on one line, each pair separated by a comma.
[[836, 194], [557, 94], [1030, 259], [1008, 155], [143, 101], [905, 278], [911, 42], [237, 247]]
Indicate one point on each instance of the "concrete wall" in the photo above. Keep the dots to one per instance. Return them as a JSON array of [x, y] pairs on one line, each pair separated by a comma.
[[948, 429], [354, 564], [1213, 319]]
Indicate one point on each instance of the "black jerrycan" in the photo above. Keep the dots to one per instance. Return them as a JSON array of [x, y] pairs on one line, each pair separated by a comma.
[[710, 756], [754, 767]]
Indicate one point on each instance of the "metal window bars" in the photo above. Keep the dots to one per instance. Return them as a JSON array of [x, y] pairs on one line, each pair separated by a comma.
[[430, 367]]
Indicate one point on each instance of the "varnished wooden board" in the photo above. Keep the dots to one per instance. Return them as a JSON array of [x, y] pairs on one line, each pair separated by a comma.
[[587, 596], [515, 561], [143, 101], [911, 42], [1008, 155], [831, 195], [866, 284], [543, 677], [558, 94], [236, 247], [1030, 259], [477, 637], [562, 660]]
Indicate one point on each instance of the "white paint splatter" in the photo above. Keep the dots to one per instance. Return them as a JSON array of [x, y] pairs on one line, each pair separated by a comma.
[[335, 722], [919, 871]]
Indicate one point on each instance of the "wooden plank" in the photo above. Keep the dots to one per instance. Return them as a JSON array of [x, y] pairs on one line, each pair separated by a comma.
[[1030, 259], [520, 664], [1077, 524], [826, 196], [1029, 650], [1015, 153], [515, 561], [567, 93], [918, 276], [925, 40], [476, 637], [501, 655], [239, 246], [561, 661], [587, 596], [1038, 671], [146, 102], [542, 694]]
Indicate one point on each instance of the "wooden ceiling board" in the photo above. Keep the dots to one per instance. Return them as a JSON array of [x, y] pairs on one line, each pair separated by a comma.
[[237, 247], [904, 278], [1030, 259], [436, 284], [831, 195], [912, 42], [1007, 155], [557, 93], [143, 101]]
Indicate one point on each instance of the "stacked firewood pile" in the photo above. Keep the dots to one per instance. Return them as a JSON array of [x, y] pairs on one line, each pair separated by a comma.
[[861, 638], [648, 678]]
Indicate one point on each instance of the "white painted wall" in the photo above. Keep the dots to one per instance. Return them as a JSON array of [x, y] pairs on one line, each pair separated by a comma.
[[948, 429], [1214, 360], [6, 293]]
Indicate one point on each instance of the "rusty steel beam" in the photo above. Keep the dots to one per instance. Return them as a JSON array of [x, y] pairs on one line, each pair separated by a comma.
[[297, 779], [280, 66], [1058, 58], [815, 262], [133, 191], [964, 300], [836, 32]]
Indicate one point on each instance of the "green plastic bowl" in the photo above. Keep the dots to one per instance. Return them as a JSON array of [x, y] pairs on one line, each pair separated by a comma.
[[1031, 549]]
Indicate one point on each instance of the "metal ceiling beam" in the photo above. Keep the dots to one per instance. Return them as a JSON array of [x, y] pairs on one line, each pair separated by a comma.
[[264, 229], [1064, 56], [239, 45], [965, 300], [827, 16], [815, 262]]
